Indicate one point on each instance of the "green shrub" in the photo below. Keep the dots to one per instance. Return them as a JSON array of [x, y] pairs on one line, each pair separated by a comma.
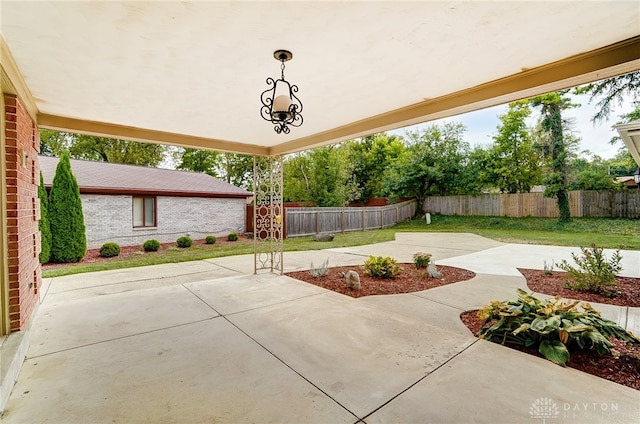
[[109, 250], [66, 220], [232, 237], [210, 239], [550, 325], [594, 272], [151, 246], [184, 241], [43, 224], [421, 259], [381, 267]]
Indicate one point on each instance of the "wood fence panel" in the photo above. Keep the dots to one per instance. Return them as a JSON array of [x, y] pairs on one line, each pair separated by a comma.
[[309, 221], [620, 204]]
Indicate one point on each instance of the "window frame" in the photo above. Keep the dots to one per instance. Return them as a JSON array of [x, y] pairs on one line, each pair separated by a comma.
[[144, 205]]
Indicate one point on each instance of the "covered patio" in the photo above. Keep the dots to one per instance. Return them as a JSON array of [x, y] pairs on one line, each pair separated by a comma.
[[204, 342], [191, 74]]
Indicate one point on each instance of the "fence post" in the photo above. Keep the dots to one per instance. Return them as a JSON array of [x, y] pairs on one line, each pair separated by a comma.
[[364, 224], [342, 221], [317, 222]]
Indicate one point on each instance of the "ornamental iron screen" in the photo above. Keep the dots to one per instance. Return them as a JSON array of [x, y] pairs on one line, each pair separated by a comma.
[[268, 243]]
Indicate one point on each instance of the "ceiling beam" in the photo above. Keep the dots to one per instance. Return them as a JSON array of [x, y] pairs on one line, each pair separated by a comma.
[[102, 129]]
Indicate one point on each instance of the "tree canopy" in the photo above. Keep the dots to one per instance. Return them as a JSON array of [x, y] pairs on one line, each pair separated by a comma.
[[513, 164], [80, 146], [611, 92], [431, 165]]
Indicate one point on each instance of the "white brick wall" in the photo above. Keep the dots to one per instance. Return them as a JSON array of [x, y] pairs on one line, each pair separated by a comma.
[[110, 218]]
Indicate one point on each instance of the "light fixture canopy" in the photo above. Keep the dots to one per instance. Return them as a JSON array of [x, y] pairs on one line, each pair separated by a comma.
[[636, 176], [280, 105]]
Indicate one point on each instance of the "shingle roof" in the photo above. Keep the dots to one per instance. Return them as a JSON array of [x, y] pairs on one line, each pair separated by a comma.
[[112, 178]]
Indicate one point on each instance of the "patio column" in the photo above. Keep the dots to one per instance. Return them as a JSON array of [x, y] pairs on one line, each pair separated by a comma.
[[268, 213]]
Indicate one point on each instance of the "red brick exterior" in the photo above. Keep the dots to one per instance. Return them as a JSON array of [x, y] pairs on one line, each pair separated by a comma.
[[23, 211]]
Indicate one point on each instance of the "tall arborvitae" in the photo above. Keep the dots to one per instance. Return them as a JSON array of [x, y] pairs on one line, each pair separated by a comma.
[[43, 225], [68, 239]]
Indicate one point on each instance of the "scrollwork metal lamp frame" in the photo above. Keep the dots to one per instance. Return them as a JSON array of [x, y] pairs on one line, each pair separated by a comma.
[[290, 116]]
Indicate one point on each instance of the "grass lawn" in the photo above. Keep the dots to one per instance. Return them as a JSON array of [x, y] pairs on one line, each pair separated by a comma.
[[604, 232]]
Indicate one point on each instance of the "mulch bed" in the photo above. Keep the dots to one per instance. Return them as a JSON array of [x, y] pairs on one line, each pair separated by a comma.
[[624, 369], [628, 288], [410, 280], [93, 255]]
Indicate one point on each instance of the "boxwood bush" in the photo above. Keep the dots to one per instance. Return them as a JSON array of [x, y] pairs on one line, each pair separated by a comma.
[[109, 250], [232, 237], [184, 241], [151, 246], [210, 239]]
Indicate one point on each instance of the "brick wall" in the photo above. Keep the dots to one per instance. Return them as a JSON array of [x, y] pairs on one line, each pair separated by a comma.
[[23, 211], [110, 218]]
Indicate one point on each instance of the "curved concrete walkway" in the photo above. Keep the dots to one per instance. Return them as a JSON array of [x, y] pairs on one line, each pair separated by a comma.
[[205, 342]]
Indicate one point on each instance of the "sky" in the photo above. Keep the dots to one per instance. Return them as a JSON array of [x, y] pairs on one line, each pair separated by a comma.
[[482, 125]]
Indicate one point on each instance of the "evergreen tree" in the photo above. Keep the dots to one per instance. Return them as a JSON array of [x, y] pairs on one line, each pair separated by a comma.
[[68, 240], [43, 225]]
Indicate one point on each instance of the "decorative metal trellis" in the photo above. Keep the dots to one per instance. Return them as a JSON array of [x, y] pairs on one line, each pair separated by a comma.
[[268, 213]]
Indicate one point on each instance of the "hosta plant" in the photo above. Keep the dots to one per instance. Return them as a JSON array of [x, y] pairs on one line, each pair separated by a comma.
[[381, 267], [594, 272], [552, 325]]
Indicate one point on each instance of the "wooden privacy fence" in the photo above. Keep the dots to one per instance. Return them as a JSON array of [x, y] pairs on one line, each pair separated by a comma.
[[309, 221], [614, 204]]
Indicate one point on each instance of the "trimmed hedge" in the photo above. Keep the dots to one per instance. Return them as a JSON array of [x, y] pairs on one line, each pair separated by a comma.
[[151, 246], [184, 241], [109, 250], [210, 239], [232, 237]]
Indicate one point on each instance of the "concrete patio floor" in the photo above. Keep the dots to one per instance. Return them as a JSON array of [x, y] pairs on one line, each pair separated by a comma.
[[205, 342]]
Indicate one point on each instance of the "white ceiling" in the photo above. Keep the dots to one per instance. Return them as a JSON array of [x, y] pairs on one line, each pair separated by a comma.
[[196, 69]]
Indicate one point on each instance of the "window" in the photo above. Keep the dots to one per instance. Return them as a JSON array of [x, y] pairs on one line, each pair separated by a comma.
[[144, 211]]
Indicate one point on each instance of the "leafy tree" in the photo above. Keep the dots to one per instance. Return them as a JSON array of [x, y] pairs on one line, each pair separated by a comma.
[[197, 160], [68, 240], [621, 164], [476, 174], [236, 169], [552, 105], [320, 175], [431, 164], [611, 91], [514, 163], [593, 179], [591, 174], [43, 225], [368, 158], [102, 149]]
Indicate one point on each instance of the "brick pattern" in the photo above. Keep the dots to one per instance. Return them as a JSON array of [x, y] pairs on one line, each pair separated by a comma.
[[23, 211], [110, 218]]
